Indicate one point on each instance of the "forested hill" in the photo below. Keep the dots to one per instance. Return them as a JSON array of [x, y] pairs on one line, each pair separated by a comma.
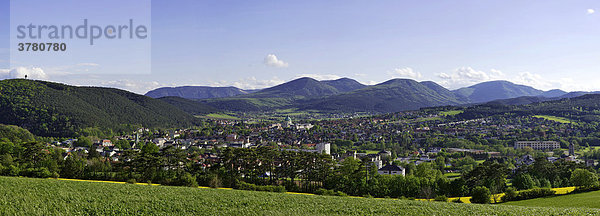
[[584, 108], [53, 109]]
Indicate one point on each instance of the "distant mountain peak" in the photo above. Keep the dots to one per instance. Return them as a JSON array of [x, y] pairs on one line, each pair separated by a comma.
[[496, 90]]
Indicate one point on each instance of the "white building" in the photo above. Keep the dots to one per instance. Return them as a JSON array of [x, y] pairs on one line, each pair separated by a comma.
[[392, 170], [324, 148], [537, 145]]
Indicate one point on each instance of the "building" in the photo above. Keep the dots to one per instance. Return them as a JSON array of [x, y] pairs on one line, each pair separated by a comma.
[[306, 126], [324, 148], [537, 145], [571, 149], [391, 170], [107, 143], [384, 153]]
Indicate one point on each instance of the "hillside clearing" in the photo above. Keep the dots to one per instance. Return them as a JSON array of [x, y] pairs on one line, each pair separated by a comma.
[[556, 119]]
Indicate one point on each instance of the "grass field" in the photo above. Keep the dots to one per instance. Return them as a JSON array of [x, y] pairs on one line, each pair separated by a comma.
[[451, 112], [586, 200], [25, 196], [221, 116], [556, 119]]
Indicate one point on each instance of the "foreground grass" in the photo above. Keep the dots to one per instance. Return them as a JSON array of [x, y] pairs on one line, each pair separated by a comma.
[[25, 196], [586, 200]]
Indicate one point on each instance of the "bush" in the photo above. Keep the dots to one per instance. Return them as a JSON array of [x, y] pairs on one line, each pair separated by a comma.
[[131, 181], [55, 175], [253, 187], [585, 189], [481, 195], [325, 192], [535, 193], [510, 194], [441, 198], [214, 181], [342, 194], [186, 179]]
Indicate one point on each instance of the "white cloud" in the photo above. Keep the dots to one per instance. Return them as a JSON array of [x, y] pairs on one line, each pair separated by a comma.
[[140, 87], [591, 11], [20, 72], [271, 60], [4, 73], [249, 83], [406, 73], [88, 64], [540, 82], [465, 76], [320, 76]]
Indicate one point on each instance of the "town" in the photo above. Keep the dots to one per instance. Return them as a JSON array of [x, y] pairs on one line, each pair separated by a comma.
[[441, 151]]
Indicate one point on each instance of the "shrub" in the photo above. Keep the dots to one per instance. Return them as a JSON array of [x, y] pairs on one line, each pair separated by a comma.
[[187, 179], [131, 181], [457, 201], [481, 195], [55, 175], [215, 181], [441, 198], [325, 192], [510, 194], [253, 187], [342, 194], [585, 189]]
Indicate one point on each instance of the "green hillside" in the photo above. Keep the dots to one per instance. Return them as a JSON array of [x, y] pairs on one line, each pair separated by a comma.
[[584, 108], [195, 92], [494, 90], [53, 109], [24, 196], [391, 96], [189, 106], [587, 200], [298, 88]]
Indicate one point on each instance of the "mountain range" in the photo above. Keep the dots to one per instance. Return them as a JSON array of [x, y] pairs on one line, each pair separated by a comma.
[[59, 110], [348, 95]]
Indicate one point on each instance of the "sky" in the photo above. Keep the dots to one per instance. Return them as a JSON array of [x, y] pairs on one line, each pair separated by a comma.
[[256, 44]]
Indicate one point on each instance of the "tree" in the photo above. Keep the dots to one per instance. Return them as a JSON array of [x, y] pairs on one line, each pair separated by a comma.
[[73, 168], [481, 195], [83, 142], [122, 144], [150, 148], [584, 178], [523, 182]]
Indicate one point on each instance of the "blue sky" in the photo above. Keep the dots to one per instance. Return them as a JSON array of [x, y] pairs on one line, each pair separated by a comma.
[[255, 44]]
